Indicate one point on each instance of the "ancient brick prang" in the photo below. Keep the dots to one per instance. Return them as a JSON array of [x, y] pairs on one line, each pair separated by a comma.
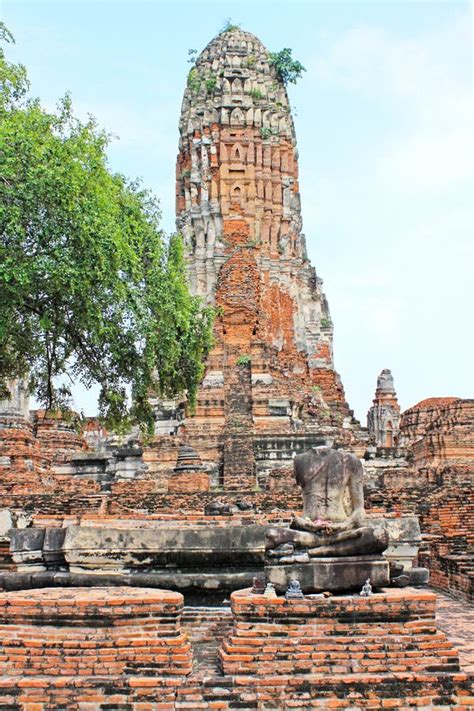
[[58, 434], [238, 208]]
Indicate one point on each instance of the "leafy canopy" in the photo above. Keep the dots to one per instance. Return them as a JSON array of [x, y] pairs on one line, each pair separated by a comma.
[[289, 69], [90, 289]]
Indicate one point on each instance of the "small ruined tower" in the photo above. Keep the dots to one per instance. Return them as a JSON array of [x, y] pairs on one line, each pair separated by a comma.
[[383, 418], [238, 209], [21, 456]]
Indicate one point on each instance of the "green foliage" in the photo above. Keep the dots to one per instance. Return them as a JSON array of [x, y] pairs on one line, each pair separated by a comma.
[[251, 60], [194, 81], [326, 323], [229, 26], [289, 69], [266, 132], [256, 94], [90, 289], [211, 83], [243, 360]]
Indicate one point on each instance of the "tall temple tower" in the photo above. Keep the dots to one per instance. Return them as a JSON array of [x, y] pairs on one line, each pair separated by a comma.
[[271, 372]]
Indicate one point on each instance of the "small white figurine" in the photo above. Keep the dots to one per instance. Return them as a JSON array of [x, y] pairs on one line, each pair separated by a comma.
[[270, 590]]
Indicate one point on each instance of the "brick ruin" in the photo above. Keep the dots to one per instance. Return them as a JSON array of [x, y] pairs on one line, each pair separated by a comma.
[[270, 390], [383, 418]]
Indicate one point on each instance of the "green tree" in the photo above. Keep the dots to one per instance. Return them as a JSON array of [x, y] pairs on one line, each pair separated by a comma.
[[90, 288], [289, 69]]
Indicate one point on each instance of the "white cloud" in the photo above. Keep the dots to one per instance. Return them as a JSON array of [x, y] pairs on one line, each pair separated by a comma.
[[372, 59], [426, 81], [376, 318], [429, 161]]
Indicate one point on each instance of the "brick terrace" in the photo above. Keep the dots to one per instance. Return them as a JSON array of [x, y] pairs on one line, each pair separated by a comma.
[[126, 649]]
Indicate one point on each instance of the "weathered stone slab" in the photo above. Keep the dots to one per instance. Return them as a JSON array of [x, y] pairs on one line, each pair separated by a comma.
[[335, 574], [109, 549], [404, 538], [26, 547], [6, 522], [194, 581]]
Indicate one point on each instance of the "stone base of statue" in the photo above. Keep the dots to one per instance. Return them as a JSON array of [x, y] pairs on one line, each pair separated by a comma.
[[333, 574]]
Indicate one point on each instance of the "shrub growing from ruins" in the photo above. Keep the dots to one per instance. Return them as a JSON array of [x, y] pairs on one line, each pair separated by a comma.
[[194, 81], [289, 69], [230, 26], [211, 83], [267, 133], [256, 94], [243, 360], [90, 287]]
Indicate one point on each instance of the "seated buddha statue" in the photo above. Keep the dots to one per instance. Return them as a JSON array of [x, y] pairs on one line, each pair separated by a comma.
[[333, 522]]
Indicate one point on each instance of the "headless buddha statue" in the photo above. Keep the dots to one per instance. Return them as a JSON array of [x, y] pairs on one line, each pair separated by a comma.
[[333, 521]]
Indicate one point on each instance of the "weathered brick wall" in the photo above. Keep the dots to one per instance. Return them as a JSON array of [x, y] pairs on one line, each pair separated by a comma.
[[443, 500], [188, 482], [348, 634], [439, 430], [61, 648], [22, 460], [206, 628], [377, 652], [118, 648]]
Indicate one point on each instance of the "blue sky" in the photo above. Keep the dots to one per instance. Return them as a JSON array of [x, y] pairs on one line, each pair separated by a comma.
[[384, 128]]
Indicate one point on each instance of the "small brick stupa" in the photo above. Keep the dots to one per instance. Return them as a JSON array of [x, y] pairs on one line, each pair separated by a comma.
[[383, 418]]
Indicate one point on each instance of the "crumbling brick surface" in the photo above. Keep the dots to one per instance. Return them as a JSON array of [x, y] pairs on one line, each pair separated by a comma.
[[341, 652], [58, 436], [62, 647], [440, 430]]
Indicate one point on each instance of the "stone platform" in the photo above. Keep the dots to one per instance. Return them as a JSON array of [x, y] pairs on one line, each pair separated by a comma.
[[348, 573], [180, 551]]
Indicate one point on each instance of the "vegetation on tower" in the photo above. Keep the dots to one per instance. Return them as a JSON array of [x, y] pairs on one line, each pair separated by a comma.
[[289, 70]]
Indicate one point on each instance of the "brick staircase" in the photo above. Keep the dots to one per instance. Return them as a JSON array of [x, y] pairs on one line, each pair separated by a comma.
[[206, 628]]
